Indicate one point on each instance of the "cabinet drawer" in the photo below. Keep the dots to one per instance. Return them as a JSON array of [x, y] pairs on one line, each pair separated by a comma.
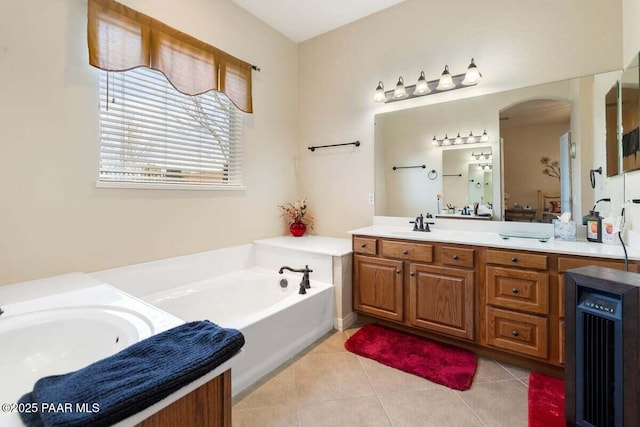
[[460, 257], [565, 264], [517, 332], [365, 245], [521, 259], [518, 289], [409, 251]]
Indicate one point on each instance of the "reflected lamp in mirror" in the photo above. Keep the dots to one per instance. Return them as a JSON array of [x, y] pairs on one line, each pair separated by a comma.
[[459, 140], [423, 87], [480, 155]]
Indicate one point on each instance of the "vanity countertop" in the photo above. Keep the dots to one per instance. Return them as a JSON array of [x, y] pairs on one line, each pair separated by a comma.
[[486, 234]]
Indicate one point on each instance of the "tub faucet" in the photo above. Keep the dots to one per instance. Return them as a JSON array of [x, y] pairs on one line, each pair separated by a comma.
[[304, 284]]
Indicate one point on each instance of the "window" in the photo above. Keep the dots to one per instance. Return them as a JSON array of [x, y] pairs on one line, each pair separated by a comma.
[[152, 134]]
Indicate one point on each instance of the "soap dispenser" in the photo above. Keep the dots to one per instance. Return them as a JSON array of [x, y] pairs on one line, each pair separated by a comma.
[[594, 226]]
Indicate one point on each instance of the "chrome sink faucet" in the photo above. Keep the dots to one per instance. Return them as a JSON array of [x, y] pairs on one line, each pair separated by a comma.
[[304, 284]]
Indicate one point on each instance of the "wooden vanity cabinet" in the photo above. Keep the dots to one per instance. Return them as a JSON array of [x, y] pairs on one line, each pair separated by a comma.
[[422, 285], [504, 303], [517, 302]]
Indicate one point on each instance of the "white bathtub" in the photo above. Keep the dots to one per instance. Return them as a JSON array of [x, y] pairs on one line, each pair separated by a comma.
[[277, 323]]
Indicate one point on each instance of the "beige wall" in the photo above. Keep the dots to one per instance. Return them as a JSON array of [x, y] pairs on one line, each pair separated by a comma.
[[52, 218], [523, 148], [515, 44]]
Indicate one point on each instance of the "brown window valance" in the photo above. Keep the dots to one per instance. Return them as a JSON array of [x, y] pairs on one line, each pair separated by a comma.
[[121, 38]]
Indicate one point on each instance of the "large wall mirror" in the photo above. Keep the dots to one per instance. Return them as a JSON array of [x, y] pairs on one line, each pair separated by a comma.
[[536, 117], [622, 121]]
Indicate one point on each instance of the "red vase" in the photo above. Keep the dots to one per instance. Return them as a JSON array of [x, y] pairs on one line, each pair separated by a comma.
[[297, 229]]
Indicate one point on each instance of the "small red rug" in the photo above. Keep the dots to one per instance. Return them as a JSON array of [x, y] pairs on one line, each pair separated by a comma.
[[440, 363], [546, 401]]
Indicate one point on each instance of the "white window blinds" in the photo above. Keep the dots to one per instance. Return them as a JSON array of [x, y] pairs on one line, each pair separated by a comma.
[[151, 133]]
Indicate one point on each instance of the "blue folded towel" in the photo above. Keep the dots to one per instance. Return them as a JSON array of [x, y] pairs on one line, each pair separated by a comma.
[[133, 379]]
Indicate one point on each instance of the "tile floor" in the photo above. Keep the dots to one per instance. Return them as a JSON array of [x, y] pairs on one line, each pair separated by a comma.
[[329, 386]]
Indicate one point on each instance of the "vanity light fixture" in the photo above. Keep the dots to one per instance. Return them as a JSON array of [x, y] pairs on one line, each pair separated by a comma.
[[470, 139], [477, 156], [446, 81], [379, 96], [485, 166], [472, 76], [459, 140], [400, 92], [424, 87]]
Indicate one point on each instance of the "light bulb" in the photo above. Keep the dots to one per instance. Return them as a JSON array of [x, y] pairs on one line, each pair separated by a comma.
[[422, 87], [471, 139], [446, 82], [400, 91], [380, 95], [458, 139], [435, 142], [472, 76], [484, 137], [446, 141]]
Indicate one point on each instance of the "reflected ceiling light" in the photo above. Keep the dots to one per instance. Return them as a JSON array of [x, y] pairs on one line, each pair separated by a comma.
[[472, 76], [446, 81], [380, 95], [459, 140], [422, 86], [400, 91]]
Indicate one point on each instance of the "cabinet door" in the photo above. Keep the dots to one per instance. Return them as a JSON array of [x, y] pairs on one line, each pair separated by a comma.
[[378, 287], [441, 300]]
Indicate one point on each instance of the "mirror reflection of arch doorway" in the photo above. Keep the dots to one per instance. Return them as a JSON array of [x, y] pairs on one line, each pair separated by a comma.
[[531, 133]]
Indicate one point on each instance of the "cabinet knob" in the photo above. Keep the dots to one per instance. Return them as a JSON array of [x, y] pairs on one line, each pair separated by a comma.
[[405, 252], [455, 257], [398, 271], [515, 333], [412, 274], [514, 259], [515, 290], [364, 245]]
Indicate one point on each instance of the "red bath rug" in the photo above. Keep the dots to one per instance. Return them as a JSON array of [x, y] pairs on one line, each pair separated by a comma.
[[546, 401], [440, 363]]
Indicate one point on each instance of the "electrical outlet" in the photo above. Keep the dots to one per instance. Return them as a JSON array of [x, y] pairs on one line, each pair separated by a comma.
[[372, 199]]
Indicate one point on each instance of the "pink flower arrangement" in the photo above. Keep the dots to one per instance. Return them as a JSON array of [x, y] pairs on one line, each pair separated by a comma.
[[297, 212]]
